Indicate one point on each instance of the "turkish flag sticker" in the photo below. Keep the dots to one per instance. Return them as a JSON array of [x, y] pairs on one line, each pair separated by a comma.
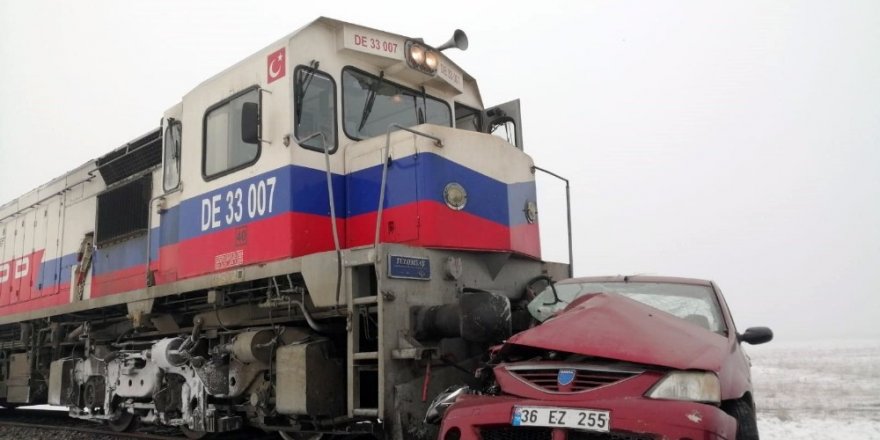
[[275, 63]]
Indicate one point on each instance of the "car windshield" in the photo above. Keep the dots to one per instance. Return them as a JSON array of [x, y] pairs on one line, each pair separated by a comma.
[[693, 303]]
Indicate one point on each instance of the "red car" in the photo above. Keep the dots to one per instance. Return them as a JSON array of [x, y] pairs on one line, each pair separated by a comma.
[[614, 358]]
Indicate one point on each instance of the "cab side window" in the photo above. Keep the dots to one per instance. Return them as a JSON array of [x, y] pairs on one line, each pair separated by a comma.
[[172, 156], [505, 129], [314, 108], [467, 118], [224, 149]]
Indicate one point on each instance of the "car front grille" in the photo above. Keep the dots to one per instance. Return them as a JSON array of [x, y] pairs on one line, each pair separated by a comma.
[[547, 378], [519, 433]]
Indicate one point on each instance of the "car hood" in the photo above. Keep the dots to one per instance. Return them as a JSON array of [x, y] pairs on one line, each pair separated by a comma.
[[615, 327]]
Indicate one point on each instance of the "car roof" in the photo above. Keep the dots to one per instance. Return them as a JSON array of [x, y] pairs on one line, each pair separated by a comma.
[[638, 279]]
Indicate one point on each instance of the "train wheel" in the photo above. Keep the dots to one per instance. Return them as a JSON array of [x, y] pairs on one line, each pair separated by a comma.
[[297, 436], [123, 423], [192, 434]]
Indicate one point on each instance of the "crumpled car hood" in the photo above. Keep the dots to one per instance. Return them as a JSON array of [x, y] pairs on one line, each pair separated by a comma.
[[615, 327]]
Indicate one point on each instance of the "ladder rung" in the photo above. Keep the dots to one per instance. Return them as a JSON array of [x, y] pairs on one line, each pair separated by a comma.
[[366, 412], [366, 355], [361, 300]]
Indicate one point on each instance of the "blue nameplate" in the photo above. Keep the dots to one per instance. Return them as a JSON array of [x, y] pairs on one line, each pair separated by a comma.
[[410, 268]]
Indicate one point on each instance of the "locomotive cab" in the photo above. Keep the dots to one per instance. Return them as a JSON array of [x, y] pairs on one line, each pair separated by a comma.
[[331, 100]]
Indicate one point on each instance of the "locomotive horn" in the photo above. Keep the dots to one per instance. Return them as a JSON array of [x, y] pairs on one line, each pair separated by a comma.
[[459, 40]]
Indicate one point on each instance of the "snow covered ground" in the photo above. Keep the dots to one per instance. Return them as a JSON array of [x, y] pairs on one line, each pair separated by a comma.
[[817, 390]]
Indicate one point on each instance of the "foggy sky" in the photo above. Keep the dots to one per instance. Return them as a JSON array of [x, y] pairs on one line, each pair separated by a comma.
[[738, 142]]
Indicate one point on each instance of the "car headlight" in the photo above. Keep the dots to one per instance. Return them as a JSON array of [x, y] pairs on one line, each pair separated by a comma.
[[696, 386]]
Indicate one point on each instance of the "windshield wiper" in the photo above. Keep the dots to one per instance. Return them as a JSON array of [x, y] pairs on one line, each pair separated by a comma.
[[371, 98], [420, 114], [302, 85], [552, 285]]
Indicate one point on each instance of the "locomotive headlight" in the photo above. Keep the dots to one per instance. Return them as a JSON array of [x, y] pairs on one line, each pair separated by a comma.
[[421, 57], [417, 53], [431, 60], [455, 196]]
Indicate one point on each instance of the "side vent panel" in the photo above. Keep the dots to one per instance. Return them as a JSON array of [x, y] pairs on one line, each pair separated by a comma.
[[138, 155], [123, 212]]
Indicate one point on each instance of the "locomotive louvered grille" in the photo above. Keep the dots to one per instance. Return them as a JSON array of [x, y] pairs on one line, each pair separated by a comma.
[[138, 155], [547, 378], [123, 212]]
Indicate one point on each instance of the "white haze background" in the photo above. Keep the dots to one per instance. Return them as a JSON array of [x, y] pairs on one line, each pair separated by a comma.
[[735, 141]]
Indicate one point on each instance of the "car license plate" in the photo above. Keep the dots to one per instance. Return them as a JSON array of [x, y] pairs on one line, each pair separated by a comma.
[[552, 417]]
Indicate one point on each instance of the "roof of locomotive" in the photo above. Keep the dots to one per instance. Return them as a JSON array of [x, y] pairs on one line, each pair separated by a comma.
[[86, 171], [332, 22]]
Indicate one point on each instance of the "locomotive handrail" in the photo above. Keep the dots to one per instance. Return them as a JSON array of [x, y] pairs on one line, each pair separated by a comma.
[[437, 142], [332, 202], [568, 215]]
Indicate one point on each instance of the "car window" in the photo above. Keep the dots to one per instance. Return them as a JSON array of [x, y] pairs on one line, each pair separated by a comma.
[[693, 303]]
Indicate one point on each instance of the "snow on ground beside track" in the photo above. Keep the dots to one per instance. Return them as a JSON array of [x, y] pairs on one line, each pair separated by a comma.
[[817, 390], [772, 428]]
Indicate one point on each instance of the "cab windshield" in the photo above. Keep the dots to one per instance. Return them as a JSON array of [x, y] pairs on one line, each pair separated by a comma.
[[371, 104], [693, 303]]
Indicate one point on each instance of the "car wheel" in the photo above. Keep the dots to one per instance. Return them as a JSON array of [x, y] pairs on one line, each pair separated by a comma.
[[744, 413]]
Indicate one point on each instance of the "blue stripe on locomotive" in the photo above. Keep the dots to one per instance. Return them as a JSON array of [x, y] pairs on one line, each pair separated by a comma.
[[304, 190], [487, 197], [518, 194], [56, 271]]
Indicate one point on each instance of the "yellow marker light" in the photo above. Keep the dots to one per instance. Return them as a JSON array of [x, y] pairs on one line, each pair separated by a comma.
[[455, 196]]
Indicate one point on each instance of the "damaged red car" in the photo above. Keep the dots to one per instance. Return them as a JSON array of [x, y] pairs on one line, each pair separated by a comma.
[[614, 358]]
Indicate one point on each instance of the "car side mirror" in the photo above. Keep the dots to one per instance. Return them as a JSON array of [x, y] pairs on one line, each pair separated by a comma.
[[756, 335], [250, 123]]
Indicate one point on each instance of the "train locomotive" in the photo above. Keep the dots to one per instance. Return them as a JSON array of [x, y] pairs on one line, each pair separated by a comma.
[[315, 241]]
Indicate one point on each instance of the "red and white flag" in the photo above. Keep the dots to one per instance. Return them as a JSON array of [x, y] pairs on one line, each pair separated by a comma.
[[275, 65]]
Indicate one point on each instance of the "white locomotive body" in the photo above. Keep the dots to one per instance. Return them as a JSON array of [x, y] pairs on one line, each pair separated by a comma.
[[315, 240]]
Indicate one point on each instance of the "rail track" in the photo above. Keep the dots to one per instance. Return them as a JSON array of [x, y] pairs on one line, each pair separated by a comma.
[[33, 424]]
